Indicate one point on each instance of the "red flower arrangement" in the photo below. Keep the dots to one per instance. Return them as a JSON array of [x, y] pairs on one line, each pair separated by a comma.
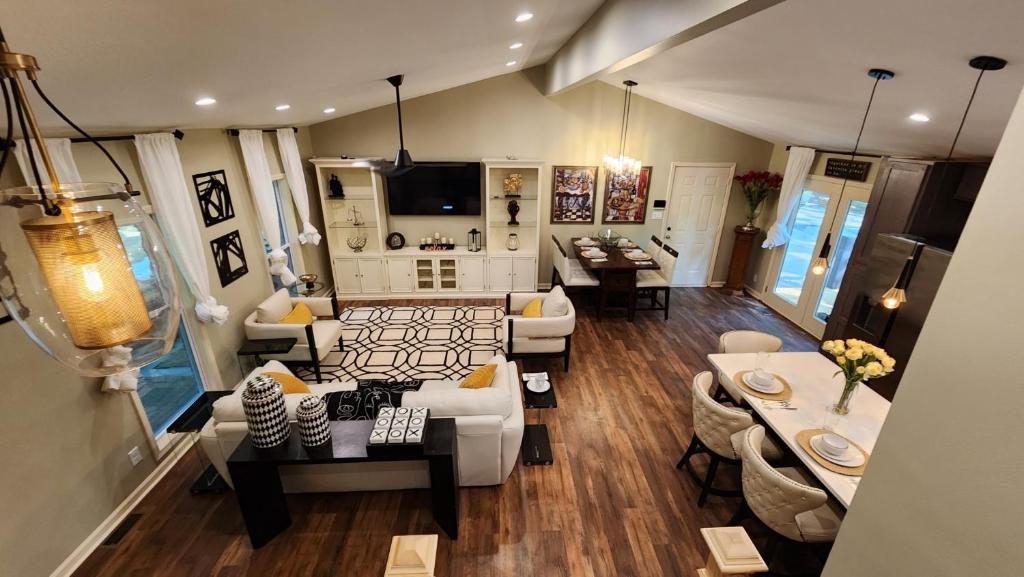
[[757, 185]]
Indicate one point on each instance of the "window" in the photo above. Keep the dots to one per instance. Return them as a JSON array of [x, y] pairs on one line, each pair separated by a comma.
[[810, 213], [287, 227], [844, 248], [167, 387]]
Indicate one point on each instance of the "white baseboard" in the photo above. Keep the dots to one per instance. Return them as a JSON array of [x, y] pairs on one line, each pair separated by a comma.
[[754, 293], [717, 284], [82, 552]]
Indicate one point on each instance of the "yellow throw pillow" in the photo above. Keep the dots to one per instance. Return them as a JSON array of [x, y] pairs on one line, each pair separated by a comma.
[[534, 310], [300, 315], [480, 378], [290, 384]]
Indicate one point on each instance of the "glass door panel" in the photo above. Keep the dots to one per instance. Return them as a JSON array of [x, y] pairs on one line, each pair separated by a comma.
[[800, 250], [847, 235], [424, 274], [447, 274]]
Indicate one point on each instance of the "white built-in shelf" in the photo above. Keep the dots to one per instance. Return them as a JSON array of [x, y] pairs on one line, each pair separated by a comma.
[[343, 224]]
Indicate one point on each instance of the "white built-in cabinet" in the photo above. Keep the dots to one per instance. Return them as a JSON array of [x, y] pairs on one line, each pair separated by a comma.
[[376, 272], [353, 276]]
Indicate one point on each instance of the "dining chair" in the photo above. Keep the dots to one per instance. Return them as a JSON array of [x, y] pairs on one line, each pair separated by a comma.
[[742, 342], [717, 431], [653, 246], [568, 272], [783, 499], [651, 283]]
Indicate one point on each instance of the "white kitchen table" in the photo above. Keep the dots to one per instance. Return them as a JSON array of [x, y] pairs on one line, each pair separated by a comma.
[[814, 389]]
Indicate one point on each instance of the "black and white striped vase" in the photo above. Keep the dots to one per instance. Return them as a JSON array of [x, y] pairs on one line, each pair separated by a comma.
[[314, 428], [265, 411]]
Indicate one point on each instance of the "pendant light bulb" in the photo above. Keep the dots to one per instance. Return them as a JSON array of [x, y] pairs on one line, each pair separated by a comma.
[[819, 266], [893, 298]]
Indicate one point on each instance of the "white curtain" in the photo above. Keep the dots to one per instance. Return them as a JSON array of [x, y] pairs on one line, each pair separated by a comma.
[[297, 183], [262, 187], [168, 191], [797, 169], [60, 155]]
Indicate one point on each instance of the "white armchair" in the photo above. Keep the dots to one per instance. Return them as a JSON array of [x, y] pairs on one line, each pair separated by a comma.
[[546, 336], [313, 341]]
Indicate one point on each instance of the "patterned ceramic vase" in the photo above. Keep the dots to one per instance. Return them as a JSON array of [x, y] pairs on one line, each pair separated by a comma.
[[314, 428], [265, 411]]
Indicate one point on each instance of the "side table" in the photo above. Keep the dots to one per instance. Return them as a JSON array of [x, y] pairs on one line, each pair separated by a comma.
[[192, 421], [256, 347], [536, 442]]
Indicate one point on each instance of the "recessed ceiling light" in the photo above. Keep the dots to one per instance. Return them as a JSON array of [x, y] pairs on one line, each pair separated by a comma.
[[920, 117], [206, 101], [282, 107], [524, 16], [328, 111], [516, 46], [510, 63]]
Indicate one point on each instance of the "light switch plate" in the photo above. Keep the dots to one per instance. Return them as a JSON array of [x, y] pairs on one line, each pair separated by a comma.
[[135, 455]]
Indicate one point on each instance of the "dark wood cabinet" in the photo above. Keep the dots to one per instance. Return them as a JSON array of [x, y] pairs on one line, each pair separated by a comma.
[[920, 201]]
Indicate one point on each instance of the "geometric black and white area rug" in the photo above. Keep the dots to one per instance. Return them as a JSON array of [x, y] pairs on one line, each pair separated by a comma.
[[400, 343]]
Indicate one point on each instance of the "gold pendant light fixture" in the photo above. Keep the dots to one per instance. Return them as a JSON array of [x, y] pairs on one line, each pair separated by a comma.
[[623, 165], [896, 296], [820, 264], [83, 270]]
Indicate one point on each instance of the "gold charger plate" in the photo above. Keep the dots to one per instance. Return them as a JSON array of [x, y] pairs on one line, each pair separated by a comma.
[[804, 439], [782, 395]]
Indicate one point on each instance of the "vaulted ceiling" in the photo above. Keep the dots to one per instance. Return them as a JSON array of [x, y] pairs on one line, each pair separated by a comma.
[[791, 72]]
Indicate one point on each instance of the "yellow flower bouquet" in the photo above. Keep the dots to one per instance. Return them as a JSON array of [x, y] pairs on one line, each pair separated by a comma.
[[858, 361]]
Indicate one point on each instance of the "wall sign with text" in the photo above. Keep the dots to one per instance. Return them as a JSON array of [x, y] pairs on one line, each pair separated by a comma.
[[849, 169]]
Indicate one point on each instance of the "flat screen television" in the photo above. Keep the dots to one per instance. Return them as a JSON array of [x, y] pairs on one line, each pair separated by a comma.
[[435, 188]]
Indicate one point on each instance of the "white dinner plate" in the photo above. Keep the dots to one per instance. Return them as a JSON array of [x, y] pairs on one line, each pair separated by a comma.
[[538, 386], [850, 458], [775, 387], [584, 243], [600, 254], [636, 255]]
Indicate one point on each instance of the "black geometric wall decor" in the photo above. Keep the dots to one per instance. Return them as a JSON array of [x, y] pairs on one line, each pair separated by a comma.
[[229, 258], [214, 197]]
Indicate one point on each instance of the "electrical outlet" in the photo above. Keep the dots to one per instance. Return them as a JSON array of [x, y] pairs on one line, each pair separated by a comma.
[[755, 277], [135, 455]]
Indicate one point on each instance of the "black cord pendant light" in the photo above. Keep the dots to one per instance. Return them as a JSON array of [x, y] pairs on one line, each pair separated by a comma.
[[622, 164], [820, 264], [403, 160], [897, 293]]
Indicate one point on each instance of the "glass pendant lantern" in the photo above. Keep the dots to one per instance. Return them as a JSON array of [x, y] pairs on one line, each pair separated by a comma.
[[84, 271]]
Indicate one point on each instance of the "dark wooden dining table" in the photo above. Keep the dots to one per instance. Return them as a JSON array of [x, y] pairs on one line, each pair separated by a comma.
[[617, 275]]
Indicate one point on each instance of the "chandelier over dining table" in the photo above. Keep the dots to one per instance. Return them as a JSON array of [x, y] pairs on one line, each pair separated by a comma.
[[622, 164]]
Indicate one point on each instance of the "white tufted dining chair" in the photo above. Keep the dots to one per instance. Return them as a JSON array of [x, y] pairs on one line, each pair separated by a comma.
[[783, 499], [653, 247], [717, 430], [743, 342]]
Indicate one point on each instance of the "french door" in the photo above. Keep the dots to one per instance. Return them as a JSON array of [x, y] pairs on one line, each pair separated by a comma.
[[824, 207]]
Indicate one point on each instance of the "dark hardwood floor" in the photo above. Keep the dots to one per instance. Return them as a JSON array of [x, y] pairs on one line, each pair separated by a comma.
[[612, 504]]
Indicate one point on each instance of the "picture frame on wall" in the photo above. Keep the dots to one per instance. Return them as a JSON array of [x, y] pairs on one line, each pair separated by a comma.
[[626, 196], [229, 257], [573, 190], [214, 197]]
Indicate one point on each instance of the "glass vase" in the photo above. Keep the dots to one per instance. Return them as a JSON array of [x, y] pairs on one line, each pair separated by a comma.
[[836, 412]]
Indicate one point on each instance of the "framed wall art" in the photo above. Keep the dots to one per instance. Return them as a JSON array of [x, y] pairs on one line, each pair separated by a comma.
[[229, 258], [214, 197], [625, 197], [572, 194]]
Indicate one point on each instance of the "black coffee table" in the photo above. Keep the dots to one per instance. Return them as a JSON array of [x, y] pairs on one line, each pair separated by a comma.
[[261, 495]]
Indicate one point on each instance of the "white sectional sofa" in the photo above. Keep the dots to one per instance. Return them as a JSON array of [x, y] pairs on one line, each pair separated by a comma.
[[489, 424]]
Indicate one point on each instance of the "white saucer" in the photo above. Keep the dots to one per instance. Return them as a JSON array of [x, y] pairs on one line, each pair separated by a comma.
[[601, 254], [582, 243], [538, 386], [850, 458], [775, 387]]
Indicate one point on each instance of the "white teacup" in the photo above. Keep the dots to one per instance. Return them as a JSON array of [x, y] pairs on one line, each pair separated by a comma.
[[586, 240], [623, 242], [593, 251], [834, 444]]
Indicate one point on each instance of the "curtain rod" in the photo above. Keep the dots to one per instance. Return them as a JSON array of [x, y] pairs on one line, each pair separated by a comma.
[[177, 134], [234, 131], [843, 152]]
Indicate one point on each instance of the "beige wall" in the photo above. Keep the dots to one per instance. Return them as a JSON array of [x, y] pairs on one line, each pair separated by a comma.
[[507, 115], [942, 493], [63, 436], [760, 258]]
